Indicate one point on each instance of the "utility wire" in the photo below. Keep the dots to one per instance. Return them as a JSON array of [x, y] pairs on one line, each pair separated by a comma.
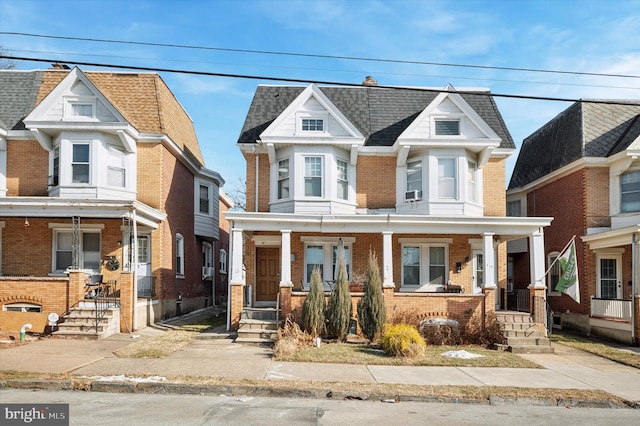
[[309, 55], [324, 82]]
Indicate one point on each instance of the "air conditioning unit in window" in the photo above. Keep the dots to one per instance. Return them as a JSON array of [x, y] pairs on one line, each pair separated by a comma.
[[412, 195], [207, 273]]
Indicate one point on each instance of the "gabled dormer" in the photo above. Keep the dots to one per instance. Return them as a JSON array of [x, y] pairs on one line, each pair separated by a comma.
[[313, 151], [92, 147], [440, 156]]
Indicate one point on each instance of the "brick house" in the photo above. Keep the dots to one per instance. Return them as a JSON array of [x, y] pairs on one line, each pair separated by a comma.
[[101, 174], [582, 169], [415, 174]]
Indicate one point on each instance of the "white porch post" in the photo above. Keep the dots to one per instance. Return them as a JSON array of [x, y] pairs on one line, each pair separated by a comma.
[[536, 253], [285, 259], [237, 277], [489, 260], [387, 260]]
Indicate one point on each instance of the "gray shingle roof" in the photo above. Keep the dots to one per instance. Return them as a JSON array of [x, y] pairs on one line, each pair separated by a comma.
[[380, 114], [585, 129], [18, 92]]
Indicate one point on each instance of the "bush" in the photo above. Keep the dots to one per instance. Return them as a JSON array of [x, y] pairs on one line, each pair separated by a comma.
[[290, 338], [371, 310], [339, 307], [313, 320], [440, 331], [402, 340], [474, 332]]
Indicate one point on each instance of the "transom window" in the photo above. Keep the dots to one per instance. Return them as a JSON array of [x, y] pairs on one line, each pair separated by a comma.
[[283, 179], [343, 180], [312, 125], [447, 127], [630, 191], [80, 163], [313, 176]]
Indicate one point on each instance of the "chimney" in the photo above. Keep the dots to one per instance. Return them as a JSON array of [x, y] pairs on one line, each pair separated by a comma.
[[369, 81], [58, 66]]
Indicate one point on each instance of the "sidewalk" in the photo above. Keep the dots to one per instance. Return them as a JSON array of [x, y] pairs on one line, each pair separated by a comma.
[[567, 368]]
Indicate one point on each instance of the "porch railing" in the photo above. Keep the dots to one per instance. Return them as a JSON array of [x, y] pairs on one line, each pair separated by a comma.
[[519, 300], [617, 309]]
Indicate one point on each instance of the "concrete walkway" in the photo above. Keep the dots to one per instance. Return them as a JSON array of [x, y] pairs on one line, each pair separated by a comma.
[[567, 368]]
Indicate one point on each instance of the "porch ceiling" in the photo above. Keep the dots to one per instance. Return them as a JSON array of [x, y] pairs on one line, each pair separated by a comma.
[[613, 238]]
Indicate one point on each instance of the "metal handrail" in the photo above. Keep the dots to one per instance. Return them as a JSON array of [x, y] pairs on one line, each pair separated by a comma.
[[106, 297]]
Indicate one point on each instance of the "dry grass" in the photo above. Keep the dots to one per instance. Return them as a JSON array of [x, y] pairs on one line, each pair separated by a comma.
[[598, 348]]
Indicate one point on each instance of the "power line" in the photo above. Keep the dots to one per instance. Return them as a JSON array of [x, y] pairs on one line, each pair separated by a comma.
[[309, 55], [323, 82]]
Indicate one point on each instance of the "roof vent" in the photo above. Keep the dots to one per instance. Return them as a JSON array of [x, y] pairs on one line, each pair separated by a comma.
[[369, 81]]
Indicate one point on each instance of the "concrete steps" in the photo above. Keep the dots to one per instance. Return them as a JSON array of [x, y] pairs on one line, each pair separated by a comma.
[[80, 323], [258, 326], [523, 335]]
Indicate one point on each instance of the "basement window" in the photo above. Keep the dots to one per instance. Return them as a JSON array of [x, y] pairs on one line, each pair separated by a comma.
[[22, 307]]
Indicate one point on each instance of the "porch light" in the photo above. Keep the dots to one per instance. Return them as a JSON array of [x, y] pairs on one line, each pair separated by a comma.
[[26, 222]]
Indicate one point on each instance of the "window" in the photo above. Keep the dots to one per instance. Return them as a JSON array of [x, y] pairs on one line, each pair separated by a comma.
[[447, 127], [179, 255], [89, 250], [630, 191], [79, 109], [471, 181], [283, 179], [446, 178], [323, 254], [207, 254], [204, 199], [22, 307], [55, 181], [312, 125], [314, 258], [608, 278], [554, 273], [223, 261], [514, 208], [334, 262], [343, 180], [313, 176], [414, 177], [115, 167], [80, 163], [424, 265]]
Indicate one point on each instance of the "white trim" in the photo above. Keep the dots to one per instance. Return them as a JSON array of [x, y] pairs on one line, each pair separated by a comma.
[[322, 240]]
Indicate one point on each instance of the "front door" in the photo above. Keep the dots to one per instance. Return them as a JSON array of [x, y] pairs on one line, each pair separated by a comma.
[[609, 277], [478, 271], [143, 269], [267, 273]]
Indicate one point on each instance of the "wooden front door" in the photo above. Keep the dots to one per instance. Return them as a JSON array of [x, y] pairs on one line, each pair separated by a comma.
[[267, 274]]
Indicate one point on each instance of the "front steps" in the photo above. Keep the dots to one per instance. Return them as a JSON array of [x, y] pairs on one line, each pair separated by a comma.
[[258, 326], [80, 323], [522, 334]]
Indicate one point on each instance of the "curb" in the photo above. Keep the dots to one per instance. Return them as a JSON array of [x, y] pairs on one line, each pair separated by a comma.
[[317, 393]]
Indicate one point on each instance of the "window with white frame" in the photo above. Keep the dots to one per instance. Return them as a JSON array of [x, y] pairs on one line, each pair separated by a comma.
[[115, 167], [312, 125], [343, 179], [223, 261], [414, 180], [80, 163], [313, 176], [323, 254], [89, 250], [424, 265], [207, 254], [283, 179], [204, 199], [514, 208], [55, 177], [554, 272], [179, 255], [630, 191], [447, 127], [447, 182], [80, 108], [472, 187]]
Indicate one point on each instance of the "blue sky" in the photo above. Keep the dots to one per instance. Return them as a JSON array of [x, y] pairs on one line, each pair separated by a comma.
[[569, 35]]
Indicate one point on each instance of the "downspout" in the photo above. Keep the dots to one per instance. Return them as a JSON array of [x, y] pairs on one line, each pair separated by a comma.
[[229, 263]]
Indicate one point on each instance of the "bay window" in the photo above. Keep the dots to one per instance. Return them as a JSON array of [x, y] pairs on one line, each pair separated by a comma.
[[447, 178], [313, 176], [630, 191], [343, 179], [80, 163], [283, 179]]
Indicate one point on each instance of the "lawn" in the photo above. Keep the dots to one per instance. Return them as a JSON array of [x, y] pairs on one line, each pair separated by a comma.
[[605, 350]]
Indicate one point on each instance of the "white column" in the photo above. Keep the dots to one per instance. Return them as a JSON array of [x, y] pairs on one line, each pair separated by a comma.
[[237, 277], [285, 266], [536, 259], [489, 256], [387, 259]]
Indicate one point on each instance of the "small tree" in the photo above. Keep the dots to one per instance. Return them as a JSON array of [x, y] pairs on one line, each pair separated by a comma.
[[371, 310], [313, 307], [339, 307]]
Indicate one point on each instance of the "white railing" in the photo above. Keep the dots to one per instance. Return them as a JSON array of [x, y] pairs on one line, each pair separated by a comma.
[[611, 308]]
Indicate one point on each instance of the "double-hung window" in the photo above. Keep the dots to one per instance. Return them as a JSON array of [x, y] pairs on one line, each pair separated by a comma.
[[80, 163], [313, 176], [312, 125], [424, 265], [554, 272], [116, 167], [205, 203], [55, 177], [179, 255], [283, 179], [447, 181], [322, 253], [89, 250], [414, 180], [472, 186], [630, 191], [343, 180]]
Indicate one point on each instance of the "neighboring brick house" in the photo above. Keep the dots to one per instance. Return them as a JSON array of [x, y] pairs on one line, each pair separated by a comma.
[[415, 174], [582, 168], [101, 172]]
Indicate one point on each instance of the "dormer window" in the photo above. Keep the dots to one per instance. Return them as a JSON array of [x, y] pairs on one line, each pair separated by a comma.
[[312, 125], [447, 127]]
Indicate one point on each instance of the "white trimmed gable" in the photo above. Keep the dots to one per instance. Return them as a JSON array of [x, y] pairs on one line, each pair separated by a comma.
[[474, 133], [314, 105]]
